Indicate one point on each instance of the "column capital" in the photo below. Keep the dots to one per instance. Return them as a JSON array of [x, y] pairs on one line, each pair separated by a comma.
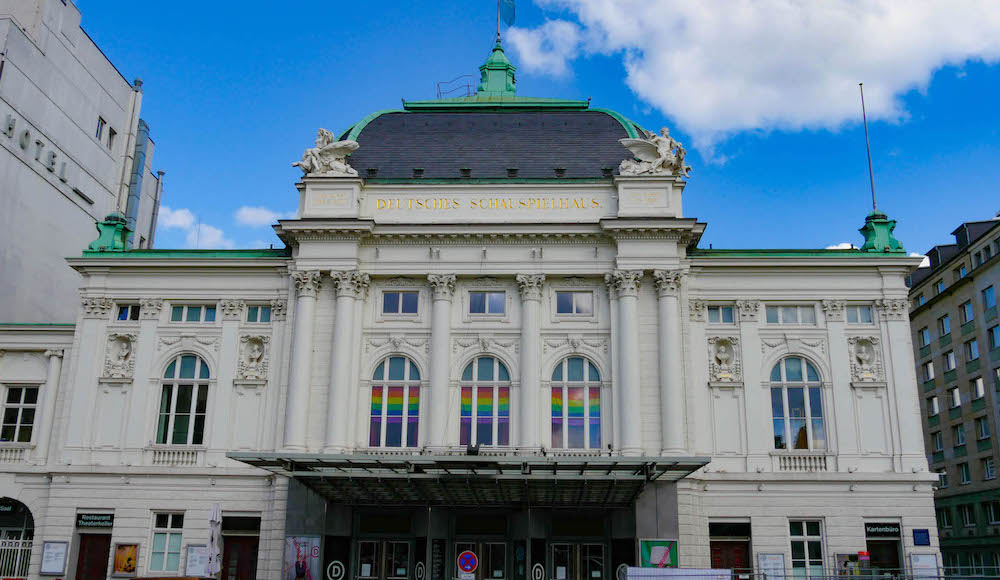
[[893, 308], [231, 309], [97, 307], [626, 282], [749, 309], [351, 283], [307, 282], [668, 282], [279, 309], [149, 308], [834, 310], [443, 285], [56, 353], [530, 286], [697, 308]]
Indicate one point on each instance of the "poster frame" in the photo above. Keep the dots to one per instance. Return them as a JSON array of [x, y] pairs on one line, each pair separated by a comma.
[[115, 573], [48, 545], [652, 541], [203, 573]]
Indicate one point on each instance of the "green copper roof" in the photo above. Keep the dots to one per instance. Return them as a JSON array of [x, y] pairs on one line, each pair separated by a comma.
[[878, 234], [220, 254], [778, 253], [497, 74]]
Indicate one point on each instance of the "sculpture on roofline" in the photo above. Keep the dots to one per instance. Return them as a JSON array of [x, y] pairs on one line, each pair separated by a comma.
[[329, 157], [654, 155]]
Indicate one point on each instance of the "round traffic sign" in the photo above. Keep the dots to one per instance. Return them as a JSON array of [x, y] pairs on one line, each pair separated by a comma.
[[467, 561]]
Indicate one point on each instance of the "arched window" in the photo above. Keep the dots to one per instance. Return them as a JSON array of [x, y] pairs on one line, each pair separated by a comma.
[[485, 403], [183, 402], [797, 405], [576, 405], [395, 415]]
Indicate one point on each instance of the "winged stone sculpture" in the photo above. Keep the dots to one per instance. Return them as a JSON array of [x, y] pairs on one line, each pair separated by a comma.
[[329, 157], [655, 155]]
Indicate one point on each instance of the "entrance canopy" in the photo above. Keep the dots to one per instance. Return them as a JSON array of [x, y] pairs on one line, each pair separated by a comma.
[[459, 480]]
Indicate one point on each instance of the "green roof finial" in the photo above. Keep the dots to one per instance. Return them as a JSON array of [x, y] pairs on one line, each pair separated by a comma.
[[878, 234], [112, 234], [497, 74]]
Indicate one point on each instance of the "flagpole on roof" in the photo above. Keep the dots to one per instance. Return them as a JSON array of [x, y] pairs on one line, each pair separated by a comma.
[[498, 19]]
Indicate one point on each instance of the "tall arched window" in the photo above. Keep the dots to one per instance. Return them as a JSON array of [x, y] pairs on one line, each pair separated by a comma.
[[395, 415], [485, 403], [183, 402], [797, 405], [576, 405]]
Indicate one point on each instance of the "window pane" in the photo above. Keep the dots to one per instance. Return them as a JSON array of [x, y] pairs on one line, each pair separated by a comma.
[[485, 369], [181, 423], [557, 373], [465, 429], [390, 302], [467, 373], [477, 302], [502, 374], [852, 314], [171, 369], [812, 529], [714, 314], [484, 414], [811, 373], [807, 315], [819, 434], [123, 313], [789, 315], [574, 369], [265, 314], [252, 313], [183, 399], [394, 416], [795, 528], [575, 417], [156, 560], [815, 402], [177, 314], [193, 314], [776, 373], [594, 412], [799, 553], [797, 418], [397, 366], [727, 314], [410, 302], [31, 394], [584, 302], [198, 436], [503, 416], [375, 427], [557, 420], [793, 369], [772, 314], [866, 314], [497, 302], [203, 370], [210, 314], [564, 302], [594, 375], [187, 366], [412, 416]]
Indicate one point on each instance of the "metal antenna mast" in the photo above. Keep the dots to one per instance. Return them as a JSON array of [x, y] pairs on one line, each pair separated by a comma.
[[871, 174]]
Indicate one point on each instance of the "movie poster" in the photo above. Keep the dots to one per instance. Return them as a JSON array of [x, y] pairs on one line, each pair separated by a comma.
[[302, 558]]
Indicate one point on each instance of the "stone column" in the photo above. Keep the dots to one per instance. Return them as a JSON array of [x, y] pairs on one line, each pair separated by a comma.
[[531, 299], [307, 284], [616, 415], [627, 285], [899, 362], [443, 287], [672, 400], [350, 287], [49, 392]]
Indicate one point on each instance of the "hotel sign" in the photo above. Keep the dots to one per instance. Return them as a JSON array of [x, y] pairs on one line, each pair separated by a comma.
[[20, 136]]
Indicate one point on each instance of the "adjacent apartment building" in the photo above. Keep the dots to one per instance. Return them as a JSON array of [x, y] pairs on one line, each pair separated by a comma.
[[72, 150], [956, 341]]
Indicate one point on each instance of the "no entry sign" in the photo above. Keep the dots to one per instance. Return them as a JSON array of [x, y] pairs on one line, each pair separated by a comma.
[[468, 562]]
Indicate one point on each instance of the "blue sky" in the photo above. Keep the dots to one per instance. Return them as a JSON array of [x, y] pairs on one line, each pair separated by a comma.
[[233, 96]]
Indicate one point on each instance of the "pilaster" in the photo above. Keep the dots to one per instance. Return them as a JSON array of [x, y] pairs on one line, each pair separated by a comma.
[[443, 292], [530, 395], [307, 285], [627, 284], [350, 286], [673, 420]]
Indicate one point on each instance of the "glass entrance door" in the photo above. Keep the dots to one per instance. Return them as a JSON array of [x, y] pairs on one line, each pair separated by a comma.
[[492, 558], [383, 560], [572, 561]]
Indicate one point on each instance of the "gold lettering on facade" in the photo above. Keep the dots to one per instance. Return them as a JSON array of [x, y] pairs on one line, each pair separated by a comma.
[[487, 203]]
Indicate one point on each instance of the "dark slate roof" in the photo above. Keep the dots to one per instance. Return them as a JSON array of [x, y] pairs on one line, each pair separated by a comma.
[[969, 232], [488, 143]]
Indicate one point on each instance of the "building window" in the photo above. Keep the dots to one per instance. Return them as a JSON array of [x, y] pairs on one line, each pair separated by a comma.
[[968, 513], [400, 302], [192, 314], [955, 396], [581, 303], [983, 428], [487, 302], [111, 138], [996, 379], [166, 552], [993, 512], [100, 128], [994, 334], [961, 272], [183, 402], [20, 405], [937, 441], [987, 252], [720, 315], [921, 300], [989, 469], [964, 476], [928, 370], [949, 361], [791, 315], [967, 313], [258, 314], [485, 413], [971, 350], [576, 404], [925, 336], [807, 548], [939, 287], [860, 315], [942, 478], [933, 408], [978, 258], [797, 405], [395, 411], [989, 298], [958, 434], [128, 312], [978, 390], [944, 325], [944, 518]]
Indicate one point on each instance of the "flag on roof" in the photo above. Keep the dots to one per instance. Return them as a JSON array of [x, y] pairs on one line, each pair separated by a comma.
[[507, 11]]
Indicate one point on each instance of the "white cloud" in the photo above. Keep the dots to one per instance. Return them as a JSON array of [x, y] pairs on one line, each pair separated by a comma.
[[175, 218], [841, 246], [925, 263], [718, 68], [257, 216]]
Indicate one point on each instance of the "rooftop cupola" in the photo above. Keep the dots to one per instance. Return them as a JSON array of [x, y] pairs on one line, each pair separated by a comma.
[[497, 74], [878, 234]]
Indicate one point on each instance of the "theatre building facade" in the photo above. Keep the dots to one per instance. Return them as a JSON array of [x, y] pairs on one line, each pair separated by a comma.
[[492, 330]]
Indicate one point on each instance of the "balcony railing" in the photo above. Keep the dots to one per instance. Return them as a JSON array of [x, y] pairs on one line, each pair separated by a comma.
[[13, 454], [803, 462], [174, 457]]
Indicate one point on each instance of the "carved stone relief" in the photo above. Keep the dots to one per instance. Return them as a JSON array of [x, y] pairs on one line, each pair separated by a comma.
[[307, 282], [668, 282], [97, 307], [400, 282], [443, 285], [188, 339], [894, 308], [149, 308], [570, 282], [279, 309], [232, 309], [351, 283], [485, 281], [397, 341], [254, 357], [625, 282], [724, 359], [575, 344], [697, 310], [119, 358], [834, 310], [866, 359], [530, 286], [749, 309]]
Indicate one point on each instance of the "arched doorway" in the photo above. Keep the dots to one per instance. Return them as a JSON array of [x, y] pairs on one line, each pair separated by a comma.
[[17, 530]]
